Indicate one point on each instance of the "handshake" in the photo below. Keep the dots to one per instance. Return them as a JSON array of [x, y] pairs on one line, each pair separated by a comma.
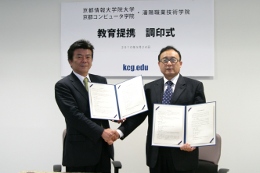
[[110, 136]]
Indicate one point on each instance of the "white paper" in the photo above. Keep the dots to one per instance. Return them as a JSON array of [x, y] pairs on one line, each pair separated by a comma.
[[168, 129], [119, 101], [102, 101], [200, 124], [131, 97], [170, 121]]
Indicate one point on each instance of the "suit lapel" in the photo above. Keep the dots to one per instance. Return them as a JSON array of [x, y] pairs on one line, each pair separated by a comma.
[[78, 85], [179, 88], [159, 88], [93, 78]]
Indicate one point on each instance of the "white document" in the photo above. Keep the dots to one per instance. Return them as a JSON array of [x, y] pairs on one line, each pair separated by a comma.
[[175, 125], [119, 101]]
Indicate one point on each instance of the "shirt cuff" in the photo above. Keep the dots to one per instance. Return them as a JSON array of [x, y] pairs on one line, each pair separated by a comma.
[[121, 134]]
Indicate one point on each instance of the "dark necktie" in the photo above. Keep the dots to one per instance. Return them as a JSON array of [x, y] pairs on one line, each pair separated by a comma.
[[86, 83], [167, 95]]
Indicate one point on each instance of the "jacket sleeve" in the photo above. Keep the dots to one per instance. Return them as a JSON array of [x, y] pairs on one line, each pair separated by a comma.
[[73, 116]]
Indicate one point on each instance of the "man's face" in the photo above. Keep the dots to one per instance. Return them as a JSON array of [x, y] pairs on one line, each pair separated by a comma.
[[169, 69], [81, 61]]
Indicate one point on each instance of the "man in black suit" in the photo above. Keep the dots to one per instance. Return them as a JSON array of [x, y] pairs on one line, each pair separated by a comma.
[[186, 91], [88, 145]]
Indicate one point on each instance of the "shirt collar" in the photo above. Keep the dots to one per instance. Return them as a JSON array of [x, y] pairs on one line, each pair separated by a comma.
[[81, 78], [174, 80]]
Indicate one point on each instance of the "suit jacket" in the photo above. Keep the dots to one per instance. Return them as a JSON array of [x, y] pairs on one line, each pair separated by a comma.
[[83, 143], [187, 91]]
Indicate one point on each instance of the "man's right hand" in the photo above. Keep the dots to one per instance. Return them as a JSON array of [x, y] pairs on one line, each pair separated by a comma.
[[110, 136]]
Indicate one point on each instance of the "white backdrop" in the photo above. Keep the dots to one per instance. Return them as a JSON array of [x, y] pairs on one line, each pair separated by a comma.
[[31, 123], [128, 35]]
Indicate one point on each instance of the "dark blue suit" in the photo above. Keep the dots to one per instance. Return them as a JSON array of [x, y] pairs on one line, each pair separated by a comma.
[[83, 143], [187, 91]]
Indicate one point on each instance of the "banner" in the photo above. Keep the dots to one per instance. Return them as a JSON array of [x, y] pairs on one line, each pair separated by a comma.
[[128, 35]]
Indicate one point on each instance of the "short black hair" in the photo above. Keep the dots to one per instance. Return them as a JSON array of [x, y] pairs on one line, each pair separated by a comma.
[[80, 44], [169, 48]]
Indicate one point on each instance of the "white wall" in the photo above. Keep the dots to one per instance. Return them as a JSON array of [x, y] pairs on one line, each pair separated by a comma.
[[31, 123]]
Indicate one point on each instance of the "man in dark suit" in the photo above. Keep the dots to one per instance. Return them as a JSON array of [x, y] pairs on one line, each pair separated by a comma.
[[87, 146], [186, 91]]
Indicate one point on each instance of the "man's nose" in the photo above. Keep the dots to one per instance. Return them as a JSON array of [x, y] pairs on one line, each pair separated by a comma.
[[168, 62], [84, 59]]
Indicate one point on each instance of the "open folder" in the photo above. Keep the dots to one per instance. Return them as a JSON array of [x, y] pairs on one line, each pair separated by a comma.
[[175, 125], [119, 101]]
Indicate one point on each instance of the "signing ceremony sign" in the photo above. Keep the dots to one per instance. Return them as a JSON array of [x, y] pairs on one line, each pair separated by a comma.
[[128, 35]]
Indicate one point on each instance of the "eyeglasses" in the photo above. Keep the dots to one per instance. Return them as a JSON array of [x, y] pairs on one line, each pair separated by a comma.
[[172, 60]]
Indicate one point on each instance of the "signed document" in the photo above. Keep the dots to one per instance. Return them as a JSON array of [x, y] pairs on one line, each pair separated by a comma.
[[175, 125], [119, 101]]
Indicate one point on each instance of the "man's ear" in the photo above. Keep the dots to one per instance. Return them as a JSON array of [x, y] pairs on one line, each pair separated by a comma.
[[70, 61]]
